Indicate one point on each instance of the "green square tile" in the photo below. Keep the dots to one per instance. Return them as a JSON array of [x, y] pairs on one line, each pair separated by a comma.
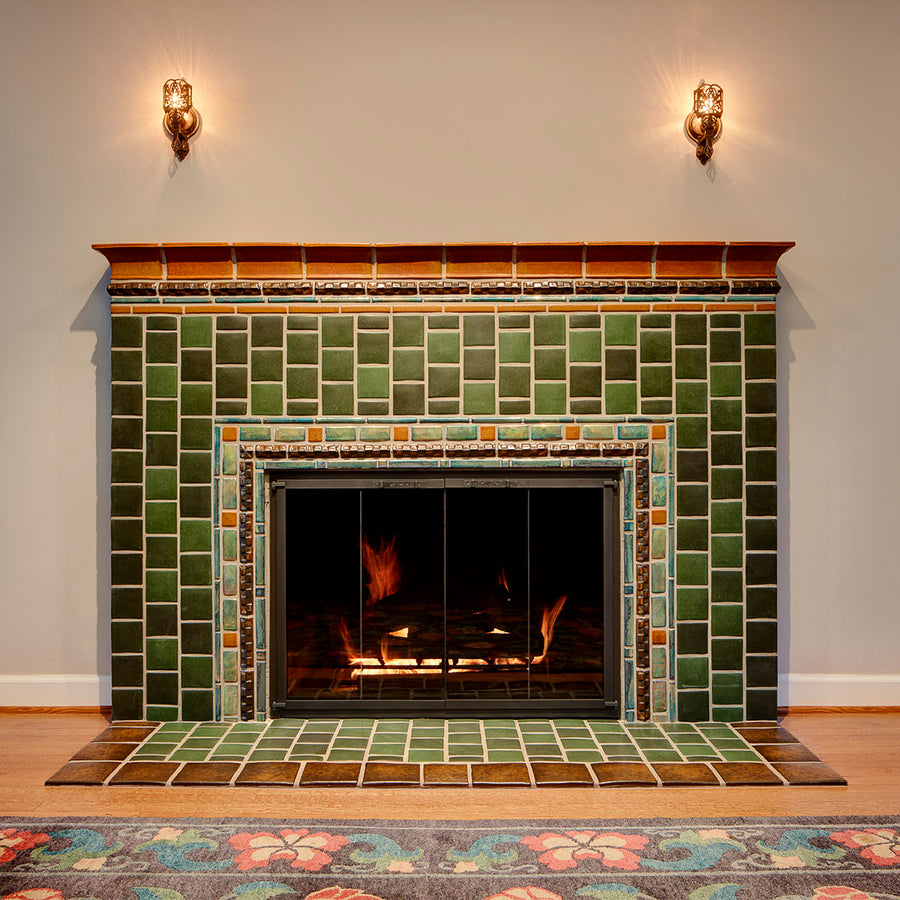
[[266, 331], [196, 569], [726, 449], [303, 349], [196, 399], [725, 381], [408, 399], [267, 365], [727, 620], [691, 431], [479, 365], [443, 381], [690, 329], [761, 431], [126, 400], [373, 381], [762, 500], [443, 347], [585, 381], [337, 399], [759, 328], [162, 381], [160, 518], [196, 434], [586, 346], [549, 330], [515, 347], [479, 400], [727, 551], [127, 331], [726, 484], [127, 671], [692, 603], [726, 517], [196, 671], [127, 434], [726, 653], [691, 568], [621, 330], [690, 398], [127, 365], [724, 346], [761, 398], [337, 331], [692, 499], [692, 638], [762, 671], [303, 383], [195, 467], [515, 381], [759, 363], [162, 552], [621, 399], [196, 536], [727, 587], [162, 450], [656, 347], [621, 365], [162, 654], [409, 365], [231, 347], [162, 347], [373, 348], [196, 331], [337, 365], [692, 534], [550, 399], [690, 363], [725, 415], [656, 381], [231, 382], [409, 331], [478, 331]]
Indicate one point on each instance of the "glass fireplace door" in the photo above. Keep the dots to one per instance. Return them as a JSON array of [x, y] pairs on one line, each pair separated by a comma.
[[397, 593]]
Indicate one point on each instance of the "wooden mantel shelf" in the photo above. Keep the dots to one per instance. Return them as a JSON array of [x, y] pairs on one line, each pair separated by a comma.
[[631, 260]]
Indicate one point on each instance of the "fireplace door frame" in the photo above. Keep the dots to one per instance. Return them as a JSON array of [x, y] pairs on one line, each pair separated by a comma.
[[606, 479]]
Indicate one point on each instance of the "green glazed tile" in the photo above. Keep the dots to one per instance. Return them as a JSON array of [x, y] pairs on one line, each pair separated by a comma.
[[549, 330], [303, 323], [302, 349], [585, 381], [656, 381], [188, 755], [302, 383], [727, 551], [337, 331], [443, 321], [550, 399], [478, 331], [409, 331], [656, 347], [515, 347], [479, 364], [373, 381], [726, 517], [690, 362], [443, 381], [621, 330], [759, 328], [691, 431], [725, 415], [162, 323], [759, 363], [162, 347], [196, 434], [621, 365], [231, 348], [424, 756], [725, 381], [621, 399], [266, 331], [337, 399], [692, 568], [126, 400], [726, 449], [479, 399], [337, 365], [724, 346], [196, 399], [162, 381], [662, 756], [127, 331], [586, 346], [515, 381], [761, 431], [443, 347], [127, 365], [231, 382], [196, 331], [409, 399], [162, 450]]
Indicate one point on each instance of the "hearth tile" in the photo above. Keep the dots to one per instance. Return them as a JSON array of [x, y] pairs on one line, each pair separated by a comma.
[[184, 754], [445, 775], [268, 774], [500, 775], [584, 756], [785, 753], [663, 756], [772, 734], [270, 755], [150, 773], [350, 743], [561, 775], [416, 755], [346, 755], [465, 758], [684, 774], [744, 773], [214, 774], [126, 734], [505, 755], [83, 772], [739, 755], [381, 774], [154, 749], [808, 773], [624, 774], [328, 773]]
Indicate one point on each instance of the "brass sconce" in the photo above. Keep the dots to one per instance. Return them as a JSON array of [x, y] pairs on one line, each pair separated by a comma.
[[703, 125], [181, 120]]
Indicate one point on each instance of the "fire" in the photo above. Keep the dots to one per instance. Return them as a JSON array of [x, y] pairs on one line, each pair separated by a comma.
[[383, 568], [548, 623], [346, 639]]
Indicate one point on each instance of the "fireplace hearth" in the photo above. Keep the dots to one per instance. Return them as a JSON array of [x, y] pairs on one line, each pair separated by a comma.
[[417, 591], [536, 374]]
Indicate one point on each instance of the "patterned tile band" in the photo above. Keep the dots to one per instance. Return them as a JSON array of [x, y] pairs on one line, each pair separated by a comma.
[[677, 390]]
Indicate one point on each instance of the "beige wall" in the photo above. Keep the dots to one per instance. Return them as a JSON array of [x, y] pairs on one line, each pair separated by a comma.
[[463, 120]]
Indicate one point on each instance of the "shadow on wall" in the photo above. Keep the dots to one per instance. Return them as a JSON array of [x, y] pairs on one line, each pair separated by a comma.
[[790, 316], [94, 316]]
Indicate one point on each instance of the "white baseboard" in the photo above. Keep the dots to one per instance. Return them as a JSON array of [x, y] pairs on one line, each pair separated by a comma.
[[54, 690], [838, 690]]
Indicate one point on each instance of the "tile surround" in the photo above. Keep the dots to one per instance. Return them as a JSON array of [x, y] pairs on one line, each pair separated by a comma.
[[658, 359]]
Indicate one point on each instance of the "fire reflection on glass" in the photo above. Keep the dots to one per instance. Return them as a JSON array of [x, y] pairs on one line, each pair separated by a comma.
[[448, 593]]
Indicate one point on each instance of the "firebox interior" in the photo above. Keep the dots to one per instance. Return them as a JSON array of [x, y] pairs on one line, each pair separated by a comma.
[[436, 592]]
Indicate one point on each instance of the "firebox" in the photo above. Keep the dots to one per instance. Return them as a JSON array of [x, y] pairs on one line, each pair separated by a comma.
[[415, 591]]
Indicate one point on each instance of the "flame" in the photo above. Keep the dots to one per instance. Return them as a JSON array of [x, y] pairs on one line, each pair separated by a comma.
[[548, 622], [346, 639], [400, 632], [383, 568]]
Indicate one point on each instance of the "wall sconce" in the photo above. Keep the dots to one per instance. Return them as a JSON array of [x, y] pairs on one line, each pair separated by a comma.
[[181, 120], [703, 125]]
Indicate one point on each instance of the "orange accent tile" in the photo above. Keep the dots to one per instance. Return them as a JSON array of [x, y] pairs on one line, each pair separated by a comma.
[[268, 260], [416, 307], [621, 260], [250, 309], [209, 308], [469, 307], [658, 636], [625, 307], [132, 261], [198, 261], [151, 309], [573, 307], [338, 261], [658, 432], [677, 307], [524, 307], [488, 432], [678, 259], [314, 434], [118, 310], [401, 433], [549, 260], [729, 307], [479, 260], [229, 519], [229, 639], [363, 308], [229, 433], [765, 307], [573, 432], [749, 259], [409, 260], [658, 517]]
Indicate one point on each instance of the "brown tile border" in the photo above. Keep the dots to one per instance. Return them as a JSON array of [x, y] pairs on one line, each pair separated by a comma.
[[378, 774], [86, 772], [103, 750], [445, 775], [808, 773], [624, 774], [561, 775], [322, 774], [268, 774], [684, 774], [126, 733], [195, 774], [150, 773], [768, 734], [500, 775], [785, 753], [745, 773]]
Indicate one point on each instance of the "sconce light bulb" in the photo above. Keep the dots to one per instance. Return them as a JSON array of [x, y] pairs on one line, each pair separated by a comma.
[[703, 124], [181, 120]]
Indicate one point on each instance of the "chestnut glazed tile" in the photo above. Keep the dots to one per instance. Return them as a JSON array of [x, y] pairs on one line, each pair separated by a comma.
[[745, 773], [808, 773], [445, 775], [785, 753], [103, 750], [145, 773], [773, 734], [548, 774], [201, 773], [500, 775], [623, 774], [268, 774], [685, 774], [335, 774], [86, 772], [391, 775], [125, 733]]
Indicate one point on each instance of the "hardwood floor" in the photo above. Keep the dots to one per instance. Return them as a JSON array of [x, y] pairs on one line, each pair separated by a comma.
[[864, 747]]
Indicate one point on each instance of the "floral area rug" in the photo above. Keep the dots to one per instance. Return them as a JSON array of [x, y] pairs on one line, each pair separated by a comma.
[[256, 859]]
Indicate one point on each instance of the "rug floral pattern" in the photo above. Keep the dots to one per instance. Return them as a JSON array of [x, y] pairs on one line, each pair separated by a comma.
[[804, 859]]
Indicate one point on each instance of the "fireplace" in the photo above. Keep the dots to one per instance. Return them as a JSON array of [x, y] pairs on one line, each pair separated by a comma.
[[419, 591], [315, 383]]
